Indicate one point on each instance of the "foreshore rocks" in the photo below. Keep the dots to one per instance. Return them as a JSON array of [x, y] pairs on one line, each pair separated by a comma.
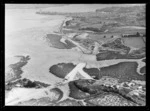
[[16, 69], [25, 83]]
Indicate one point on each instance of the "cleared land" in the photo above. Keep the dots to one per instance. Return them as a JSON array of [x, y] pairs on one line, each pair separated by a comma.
[[55, 42]]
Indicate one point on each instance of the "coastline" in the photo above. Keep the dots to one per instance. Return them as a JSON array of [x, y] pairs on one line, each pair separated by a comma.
[[43, 57], [36, 39]]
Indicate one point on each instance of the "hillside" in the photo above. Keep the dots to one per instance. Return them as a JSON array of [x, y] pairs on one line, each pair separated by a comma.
[[122, 9]]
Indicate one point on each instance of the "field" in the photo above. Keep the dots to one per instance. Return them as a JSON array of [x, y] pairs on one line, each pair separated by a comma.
[[136, 42]]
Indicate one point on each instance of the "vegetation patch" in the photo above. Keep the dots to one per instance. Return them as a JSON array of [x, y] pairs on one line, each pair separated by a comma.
[[123, 71], [61, 69]]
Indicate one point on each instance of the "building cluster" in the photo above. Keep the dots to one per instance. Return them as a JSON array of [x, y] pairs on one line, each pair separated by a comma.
[[133, 35]]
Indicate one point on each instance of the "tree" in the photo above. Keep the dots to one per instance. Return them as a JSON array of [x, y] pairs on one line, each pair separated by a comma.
[[138, 34]]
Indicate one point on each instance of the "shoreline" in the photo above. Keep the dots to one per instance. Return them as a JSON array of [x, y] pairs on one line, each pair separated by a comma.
[[104, 62], [79, 57]]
